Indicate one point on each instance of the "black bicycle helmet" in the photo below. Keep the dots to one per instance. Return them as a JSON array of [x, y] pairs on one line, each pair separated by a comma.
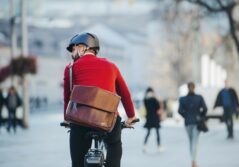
[[88, 39]]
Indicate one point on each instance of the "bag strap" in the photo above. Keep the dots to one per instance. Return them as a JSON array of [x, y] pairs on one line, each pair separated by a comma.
[[71, 75]]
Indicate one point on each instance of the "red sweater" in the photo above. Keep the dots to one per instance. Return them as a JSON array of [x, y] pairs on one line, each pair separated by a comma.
[[90, 70]]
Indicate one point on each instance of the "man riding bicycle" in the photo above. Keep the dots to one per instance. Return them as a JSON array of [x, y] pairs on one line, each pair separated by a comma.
[[90, 70]]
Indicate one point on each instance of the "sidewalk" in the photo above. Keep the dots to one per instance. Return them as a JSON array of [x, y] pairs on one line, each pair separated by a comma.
[[45, 143]]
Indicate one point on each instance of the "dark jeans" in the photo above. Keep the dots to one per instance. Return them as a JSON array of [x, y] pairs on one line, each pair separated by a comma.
[[148, 133], [79, 145], [228, 118], [12, 119]]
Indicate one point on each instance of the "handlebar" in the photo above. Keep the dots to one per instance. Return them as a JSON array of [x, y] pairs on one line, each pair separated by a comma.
[[123, 124], [65, 124]]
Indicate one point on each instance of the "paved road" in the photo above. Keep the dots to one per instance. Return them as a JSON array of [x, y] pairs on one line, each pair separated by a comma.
[[46, 144]]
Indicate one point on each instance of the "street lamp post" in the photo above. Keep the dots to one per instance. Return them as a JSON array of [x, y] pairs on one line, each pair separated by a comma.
[[24, 52], [13, 31]]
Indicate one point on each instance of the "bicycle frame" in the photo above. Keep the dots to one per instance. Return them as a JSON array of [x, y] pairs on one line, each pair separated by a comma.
[[96, 155]]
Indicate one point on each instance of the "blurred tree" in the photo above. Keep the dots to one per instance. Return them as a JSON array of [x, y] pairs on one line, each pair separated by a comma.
[[5, 72], [182, 43], [19, 66], [222, 6], [24, 65], [186, 32]]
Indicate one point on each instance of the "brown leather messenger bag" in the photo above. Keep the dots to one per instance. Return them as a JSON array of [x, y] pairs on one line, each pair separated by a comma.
[[92, 107]]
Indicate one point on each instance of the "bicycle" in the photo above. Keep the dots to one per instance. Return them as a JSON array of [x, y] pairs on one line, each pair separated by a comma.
[[96, 155]]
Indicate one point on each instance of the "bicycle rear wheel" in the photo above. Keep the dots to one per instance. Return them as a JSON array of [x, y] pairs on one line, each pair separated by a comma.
[[94, 158]]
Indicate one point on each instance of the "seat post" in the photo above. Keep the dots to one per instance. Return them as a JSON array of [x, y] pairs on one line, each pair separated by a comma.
[[95, 141]]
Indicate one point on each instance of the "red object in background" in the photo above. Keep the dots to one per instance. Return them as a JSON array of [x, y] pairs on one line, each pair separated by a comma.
[[19, 66], [5, 72], [24, 65]]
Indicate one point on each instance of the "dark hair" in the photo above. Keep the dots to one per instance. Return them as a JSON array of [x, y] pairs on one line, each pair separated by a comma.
[[149, 89], [12, 88], [191, 86]]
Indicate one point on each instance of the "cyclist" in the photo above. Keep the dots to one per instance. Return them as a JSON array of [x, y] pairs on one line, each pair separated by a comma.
[[90, 70]]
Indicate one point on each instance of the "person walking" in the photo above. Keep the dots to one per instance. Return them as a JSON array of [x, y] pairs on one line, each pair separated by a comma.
[[90, 70], [228, 99], [13, 101], [192, 108], [152, 107]]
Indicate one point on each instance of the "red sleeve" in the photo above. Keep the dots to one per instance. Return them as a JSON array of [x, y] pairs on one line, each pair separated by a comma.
[[123, 91], [66, 89]]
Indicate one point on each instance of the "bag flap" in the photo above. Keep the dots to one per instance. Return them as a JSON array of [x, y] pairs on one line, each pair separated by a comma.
[[95, 97]]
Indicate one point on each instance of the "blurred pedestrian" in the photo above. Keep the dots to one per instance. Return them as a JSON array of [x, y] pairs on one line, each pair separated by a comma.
[[13, 101], [152, 106], [1, 105], [45, 101], [193, 108], [38, 102], [227, 98]]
